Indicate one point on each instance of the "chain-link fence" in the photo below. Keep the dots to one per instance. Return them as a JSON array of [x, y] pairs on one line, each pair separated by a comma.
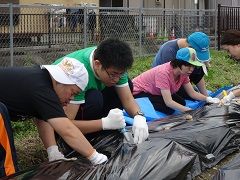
[[41, 34]]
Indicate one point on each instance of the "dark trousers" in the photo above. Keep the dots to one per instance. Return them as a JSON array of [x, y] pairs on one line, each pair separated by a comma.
[[159, 104], [195, 77], [8, 157], [99, 103]]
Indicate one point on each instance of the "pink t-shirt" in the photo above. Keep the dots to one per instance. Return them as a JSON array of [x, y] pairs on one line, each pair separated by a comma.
[[157, 79]]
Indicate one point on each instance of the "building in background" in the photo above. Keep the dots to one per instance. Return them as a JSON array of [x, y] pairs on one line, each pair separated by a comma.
[[169, 4], [49, 2]]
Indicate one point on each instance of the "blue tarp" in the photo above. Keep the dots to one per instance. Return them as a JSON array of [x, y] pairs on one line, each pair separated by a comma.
[[151, 114]]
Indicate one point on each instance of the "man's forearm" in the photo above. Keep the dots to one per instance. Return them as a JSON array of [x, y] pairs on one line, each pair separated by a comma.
[[88, 126], [72, 136], [132, 108]]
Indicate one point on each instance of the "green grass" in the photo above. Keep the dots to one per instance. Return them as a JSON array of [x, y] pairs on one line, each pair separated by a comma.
[[223, 71]]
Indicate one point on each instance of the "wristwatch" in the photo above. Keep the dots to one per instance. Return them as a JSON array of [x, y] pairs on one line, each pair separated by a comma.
[[140, 113]]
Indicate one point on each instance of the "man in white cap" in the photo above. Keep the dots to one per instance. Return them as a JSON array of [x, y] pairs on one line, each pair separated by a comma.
[[42, 92]]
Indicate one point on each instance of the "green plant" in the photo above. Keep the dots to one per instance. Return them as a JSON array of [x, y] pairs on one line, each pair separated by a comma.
[[23, 128]]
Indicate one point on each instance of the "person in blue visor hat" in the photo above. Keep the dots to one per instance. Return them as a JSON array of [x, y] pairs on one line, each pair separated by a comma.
[[200, 42]]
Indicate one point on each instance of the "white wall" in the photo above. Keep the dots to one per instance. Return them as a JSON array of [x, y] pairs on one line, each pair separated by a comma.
[[135, 3], [170, 4], [181, 4]]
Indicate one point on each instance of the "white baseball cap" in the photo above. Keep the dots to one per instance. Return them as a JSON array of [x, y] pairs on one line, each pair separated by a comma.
[[69, 71]]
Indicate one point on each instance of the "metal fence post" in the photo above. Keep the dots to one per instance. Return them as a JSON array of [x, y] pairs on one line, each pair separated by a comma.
[[140, 30], [49, 30], [11, 32], [219, 25], [182, 22], [215, 31], [85, 27]]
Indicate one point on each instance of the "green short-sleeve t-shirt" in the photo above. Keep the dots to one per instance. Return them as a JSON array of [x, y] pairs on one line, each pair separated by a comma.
[[85, 56]]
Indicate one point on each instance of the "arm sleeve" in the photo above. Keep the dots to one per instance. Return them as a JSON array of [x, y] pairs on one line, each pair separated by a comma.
[[46, 104], [123, 81], [79, 98]]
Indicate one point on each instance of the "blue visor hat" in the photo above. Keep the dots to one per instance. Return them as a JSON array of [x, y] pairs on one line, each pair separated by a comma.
[[188, 55], [200, 42]]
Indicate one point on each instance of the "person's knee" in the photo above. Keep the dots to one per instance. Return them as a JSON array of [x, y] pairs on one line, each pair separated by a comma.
[[94, 99], [93, 106]]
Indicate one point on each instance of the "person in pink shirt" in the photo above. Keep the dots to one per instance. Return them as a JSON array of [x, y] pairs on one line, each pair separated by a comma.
[[161, 83]]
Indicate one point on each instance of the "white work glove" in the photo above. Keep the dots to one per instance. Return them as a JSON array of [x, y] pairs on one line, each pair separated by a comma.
[[212, 100], [188, 109], [140, 129], [97, 158], [227, 99], [114, 120], [54, 154]]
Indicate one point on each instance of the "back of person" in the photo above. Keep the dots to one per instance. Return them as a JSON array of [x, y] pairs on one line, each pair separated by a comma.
[[157, 78], [166, 53]]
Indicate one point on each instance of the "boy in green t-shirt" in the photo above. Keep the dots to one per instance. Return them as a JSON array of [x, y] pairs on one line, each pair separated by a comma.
[[108, 88]]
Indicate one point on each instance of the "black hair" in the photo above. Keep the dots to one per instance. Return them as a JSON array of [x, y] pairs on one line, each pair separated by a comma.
[[231, 37], [178, 63], [114, 53]]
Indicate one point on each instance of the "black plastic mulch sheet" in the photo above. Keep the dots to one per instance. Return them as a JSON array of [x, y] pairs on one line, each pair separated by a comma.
[[230, 171], [181, 152], [158, 158], [212, 134]]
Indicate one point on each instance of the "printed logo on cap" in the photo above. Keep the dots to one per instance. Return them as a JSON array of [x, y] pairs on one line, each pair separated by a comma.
[[204, 49], [193, 57], [66, 65]]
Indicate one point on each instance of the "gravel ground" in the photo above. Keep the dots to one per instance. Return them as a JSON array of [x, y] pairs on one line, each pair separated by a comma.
[[208, 174]]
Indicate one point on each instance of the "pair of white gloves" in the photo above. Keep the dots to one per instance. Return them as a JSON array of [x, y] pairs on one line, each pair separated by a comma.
[[115, 120], [54, 154]]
